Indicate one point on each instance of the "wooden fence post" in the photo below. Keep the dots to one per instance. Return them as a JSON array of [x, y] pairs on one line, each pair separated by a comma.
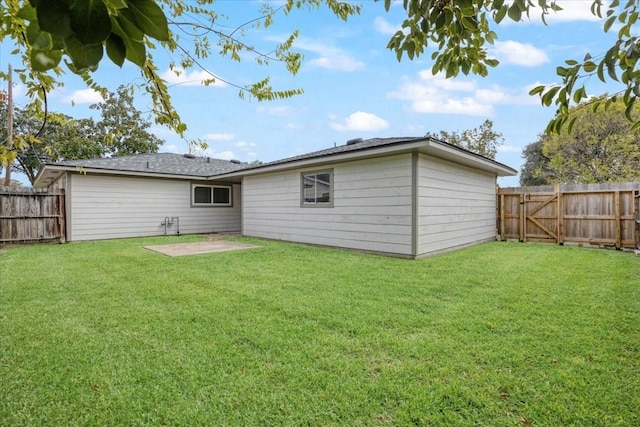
[[617, 215]]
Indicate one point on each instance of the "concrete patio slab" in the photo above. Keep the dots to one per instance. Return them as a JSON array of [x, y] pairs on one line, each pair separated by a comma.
[[195, 248]]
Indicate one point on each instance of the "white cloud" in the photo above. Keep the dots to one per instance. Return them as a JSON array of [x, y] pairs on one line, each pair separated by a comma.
[[179, 76], [512, 52], [330, 57], [219, 136], [574, 11], [222, 155], [383, 26], [84, 96], [337, 62], [359, 121], [171, 148], [438, 95]]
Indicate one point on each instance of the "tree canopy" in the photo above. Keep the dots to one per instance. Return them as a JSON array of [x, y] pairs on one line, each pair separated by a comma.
[[482, 140], [602, 147], [121, 130]]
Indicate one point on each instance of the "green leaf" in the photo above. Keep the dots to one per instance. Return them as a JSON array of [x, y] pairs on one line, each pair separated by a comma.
[[547, 97], [578, 94], [150, 18], [466, 7], [514, 12], [53, 17], [536, 90], [500, 14], [44, 61], [601, 71], [84, 56], [90, 21], [491, 37], [125, 22], [589, 66], [27, 12], [629, 110], [469, 23], [116, 49], [136, 52], [611, 68], [608, 23], [43, 42]]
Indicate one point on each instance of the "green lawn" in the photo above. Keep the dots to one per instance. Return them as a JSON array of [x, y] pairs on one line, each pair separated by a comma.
[[501, 334]]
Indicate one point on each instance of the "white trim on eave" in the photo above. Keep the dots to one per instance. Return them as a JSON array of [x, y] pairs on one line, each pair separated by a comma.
[[49, 173], [456, 155]]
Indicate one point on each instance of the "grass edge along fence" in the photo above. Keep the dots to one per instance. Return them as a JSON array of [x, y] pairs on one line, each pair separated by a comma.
[[587, 214], [31, 215]]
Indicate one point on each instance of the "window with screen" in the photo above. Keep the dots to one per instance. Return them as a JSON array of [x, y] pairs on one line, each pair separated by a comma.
[[317, 188], [211, 195]]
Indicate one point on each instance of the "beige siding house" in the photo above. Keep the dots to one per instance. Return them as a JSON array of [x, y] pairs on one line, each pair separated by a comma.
[[407, 197]]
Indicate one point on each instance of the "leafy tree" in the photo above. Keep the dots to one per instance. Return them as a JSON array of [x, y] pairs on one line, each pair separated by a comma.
[[120, 131], [122, 128], [602, 147], [482, 140], [61, 139], [535, 170]]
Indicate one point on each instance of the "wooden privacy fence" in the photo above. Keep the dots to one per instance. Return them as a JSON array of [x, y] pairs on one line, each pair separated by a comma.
[[31, 214], [591, 214]]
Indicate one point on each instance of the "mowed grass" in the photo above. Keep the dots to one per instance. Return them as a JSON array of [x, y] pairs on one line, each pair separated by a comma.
[[500, 334]]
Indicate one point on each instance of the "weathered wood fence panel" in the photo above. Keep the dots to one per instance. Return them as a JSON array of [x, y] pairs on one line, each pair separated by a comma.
[[31, 214], [593, 214]]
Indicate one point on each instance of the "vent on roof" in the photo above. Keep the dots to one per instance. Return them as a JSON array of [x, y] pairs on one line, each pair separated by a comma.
[[189, 156], [354, 141], [237, 162]]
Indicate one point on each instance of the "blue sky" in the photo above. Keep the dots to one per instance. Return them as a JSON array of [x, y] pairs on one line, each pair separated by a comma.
[[354, 86]]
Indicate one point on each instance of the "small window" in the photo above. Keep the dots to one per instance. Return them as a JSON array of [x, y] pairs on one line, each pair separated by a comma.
[[211, 195], [317, 188]]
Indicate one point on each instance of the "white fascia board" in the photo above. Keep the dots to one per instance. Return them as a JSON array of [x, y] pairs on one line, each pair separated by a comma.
[[51, 172], [460, 156]]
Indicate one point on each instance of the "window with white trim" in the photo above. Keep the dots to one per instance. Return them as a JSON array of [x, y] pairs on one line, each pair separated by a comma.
[[317, 188], [210, 195]]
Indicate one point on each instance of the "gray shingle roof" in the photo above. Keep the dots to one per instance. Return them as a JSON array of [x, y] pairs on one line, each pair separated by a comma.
[[177, 164], [160, 163], [358, 145]]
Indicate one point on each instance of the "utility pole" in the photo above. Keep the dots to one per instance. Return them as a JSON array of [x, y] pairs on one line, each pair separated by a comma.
[[7, 177]]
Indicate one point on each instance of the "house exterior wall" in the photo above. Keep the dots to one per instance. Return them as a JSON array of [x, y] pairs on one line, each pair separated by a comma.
[[107, 207], [456, 206], [372, 206]]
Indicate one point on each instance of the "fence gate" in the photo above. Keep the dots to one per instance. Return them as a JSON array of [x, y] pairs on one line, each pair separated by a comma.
[[594, 214], [31, 214]]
